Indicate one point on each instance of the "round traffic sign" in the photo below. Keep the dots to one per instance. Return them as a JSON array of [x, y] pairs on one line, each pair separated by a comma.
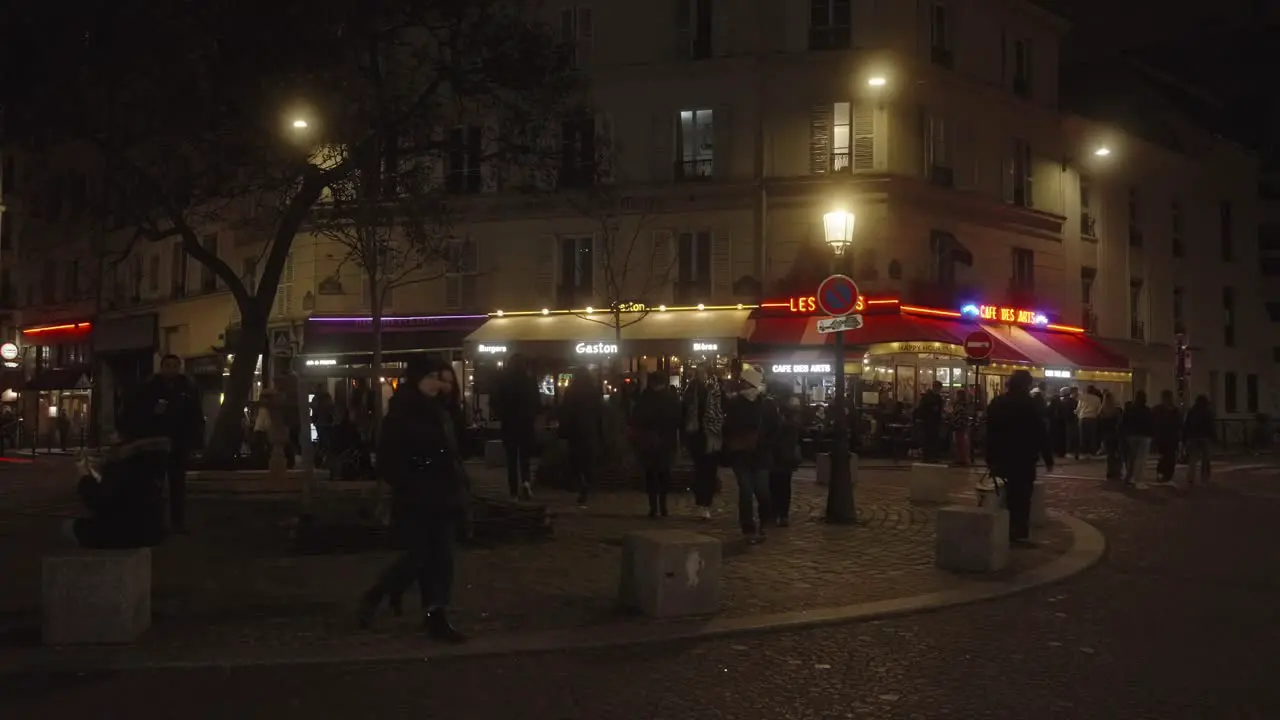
[[978, 345], [838, 295], [8, 351]]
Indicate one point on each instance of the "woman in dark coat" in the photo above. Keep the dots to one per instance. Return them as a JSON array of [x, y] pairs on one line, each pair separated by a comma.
[[655, 420], [786, 452], [582, 428], [418, 456], [126, 496]]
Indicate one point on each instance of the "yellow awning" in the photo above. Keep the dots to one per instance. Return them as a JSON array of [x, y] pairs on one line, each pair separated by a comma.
[[691, 325]]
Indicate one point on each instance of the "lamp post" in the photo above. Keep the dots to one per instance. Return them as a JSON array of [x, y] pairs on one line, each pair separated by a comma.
[[838, 228]]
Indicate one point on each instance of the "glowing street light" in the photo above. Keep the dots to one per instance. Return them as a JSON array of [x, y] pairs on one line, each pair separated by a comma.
[[300, 124], [877, 81], [1103, 151], [838, 225]]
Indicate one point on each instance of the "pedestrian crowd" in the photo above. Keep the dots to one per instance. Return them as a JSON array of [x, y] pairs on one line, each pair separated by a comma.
[[718, 419]]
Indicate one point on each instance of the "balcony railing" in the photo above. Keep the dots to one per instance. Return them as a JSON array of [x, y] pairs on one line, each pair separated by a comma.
[[841, 161], [1088, 225], [694, 169], [1137, 330]]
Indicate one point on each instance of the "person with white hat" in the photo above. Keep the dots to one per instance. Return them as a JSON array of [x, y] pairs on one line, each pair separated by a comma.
[[750, 429]]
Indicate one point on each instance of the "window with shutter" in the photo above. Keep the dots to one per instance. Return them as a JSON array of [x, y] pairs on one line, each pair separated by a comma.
[[460, 277], [721, 266], [694, 267], [663, 269], [820, 139], [841, 136], [864, 139], [695, 145], [577, 31], [693, 24]]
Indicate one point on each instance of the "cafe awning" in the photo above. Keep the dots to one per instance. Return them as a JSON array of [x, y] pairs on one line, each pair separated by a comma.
[[1059, 349], [877, 330], [599, 327]]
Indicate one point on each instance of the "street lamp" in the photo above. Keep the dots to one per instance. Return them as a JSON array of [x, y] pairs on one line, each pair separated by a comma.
[[300, 124], [838, 226]]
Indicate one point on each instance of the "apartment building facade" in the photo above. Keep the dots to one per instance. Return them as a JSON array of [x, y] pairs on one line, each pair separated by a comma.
[[730, 128]]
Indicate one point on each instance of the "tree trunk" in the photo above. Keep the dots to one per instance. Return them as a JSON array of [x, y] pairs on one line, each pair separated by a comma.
[[224, 443], [375, 308]]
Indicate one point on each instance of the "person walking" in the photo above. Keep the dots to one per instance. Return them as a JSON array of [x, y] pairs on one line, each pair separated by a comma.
[[751, 428], [703, 413], [1071, 420], [1109, 435], [786, 452], [582, 427], [1136, 429], [1016, 439], [1166, 425], [961, 421], [175, 403], [655, 422], [419, 456], [1087, 415], [929, 414], [1198, 434], [516, 404]]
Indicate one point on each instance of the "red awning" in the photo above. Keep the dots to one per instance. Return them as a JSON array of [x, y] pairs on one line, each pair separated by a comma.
[[1082, 351], [796, 331]]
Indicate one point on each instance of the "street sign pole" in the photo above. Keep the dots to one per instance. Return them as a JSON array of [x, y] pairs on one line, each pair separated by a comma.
[[838, 296]]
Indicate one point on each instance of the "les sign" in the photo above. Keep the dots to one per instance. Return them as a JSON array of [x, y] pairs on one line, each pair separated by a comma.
[[807, 304]]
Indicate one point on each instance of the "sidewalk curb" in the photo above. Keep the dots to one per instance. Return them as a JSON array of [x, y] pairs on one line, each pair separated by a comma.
[[1087, 548]]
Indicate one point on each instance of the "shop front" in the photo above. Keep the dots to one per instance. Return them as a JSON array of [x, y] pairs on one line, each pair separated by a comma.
[[902, 350], [124, 353], [618, 348], [57, 399], [337, 354]]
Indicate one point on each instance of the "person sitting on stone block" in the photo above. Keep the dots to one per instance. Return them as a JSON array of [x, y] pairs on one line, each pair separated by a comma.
[[124, 494]]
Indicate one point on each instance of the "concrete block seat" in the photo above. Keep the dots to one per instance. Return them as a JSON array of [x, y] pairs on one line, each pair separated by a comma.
[[972, 539], [930, 483], [988, 498], [96, 596], [494, 454], [670, 573]]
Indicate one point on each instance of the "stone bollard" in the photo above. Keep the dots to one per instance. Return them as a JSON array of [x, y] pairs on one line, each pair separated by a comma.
[[495, 455], [96, 596], [670, 573], [972, 539], [823, 462], [930, 483]]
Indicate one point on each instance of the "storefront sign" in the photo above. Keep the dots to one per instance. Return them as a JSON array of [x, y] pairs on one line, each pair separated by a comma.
[[938, 348], [630, 307], [807, 304], [1059, 374], [1009, 315], [596, 348], [322, 362], [706, 347], [491, 349], [801, 369], [8, 352]]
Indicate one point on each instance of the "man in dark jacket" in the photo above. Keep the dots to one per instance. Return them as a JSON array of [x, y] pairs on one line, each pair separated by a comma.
[[1137, 427], [125, 495], [929, 414], [655, 423], [750, 432], [1166, 422], [1016, 439], [175, 406], [419, 456], [1199, 434], [516, 405]]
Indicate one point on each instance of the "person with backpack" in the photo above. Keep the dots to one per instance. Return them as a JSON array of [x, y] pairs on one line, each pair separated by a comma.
[[1198, 434]]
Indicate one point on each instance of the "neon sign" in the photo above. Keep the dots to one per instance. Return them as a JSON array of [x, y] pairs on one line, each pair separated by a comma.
[[807, 304], [1009, 315]]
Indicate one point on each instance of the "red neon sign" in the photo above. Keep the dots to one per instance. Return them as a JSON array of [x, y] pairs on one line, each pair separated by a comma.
[[1011, 315], [54, 328], [808, 304]]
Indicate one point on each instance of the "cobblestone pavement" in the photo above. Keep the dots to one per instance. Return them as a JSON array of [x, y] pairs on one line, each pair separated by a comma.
[[232, 591], [1178, 622]]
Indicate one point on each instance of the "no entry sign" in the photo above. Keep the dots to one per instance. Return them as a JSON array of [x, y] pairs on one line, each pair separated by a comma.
[[978, 345], [838, 295]]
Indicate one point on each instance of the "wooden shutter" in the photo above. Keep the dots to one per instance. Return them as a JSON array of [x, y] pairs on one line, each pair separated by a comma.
[[722, 137], [682, 22], [864, 136], [1008, 176], [663, 266], [721, 266], [544, 271], [820, 139], [606, 149]]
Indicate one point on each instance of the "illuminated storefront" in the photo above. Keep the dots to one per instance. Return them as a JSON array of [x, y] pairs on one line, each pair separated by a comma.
[[60, 358], [902, 349]]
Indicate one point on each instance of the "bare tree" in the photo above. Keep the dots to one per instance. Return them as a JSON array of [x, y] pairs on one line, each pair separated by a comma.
[[209, 113], [634, 261], [396, 241]]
